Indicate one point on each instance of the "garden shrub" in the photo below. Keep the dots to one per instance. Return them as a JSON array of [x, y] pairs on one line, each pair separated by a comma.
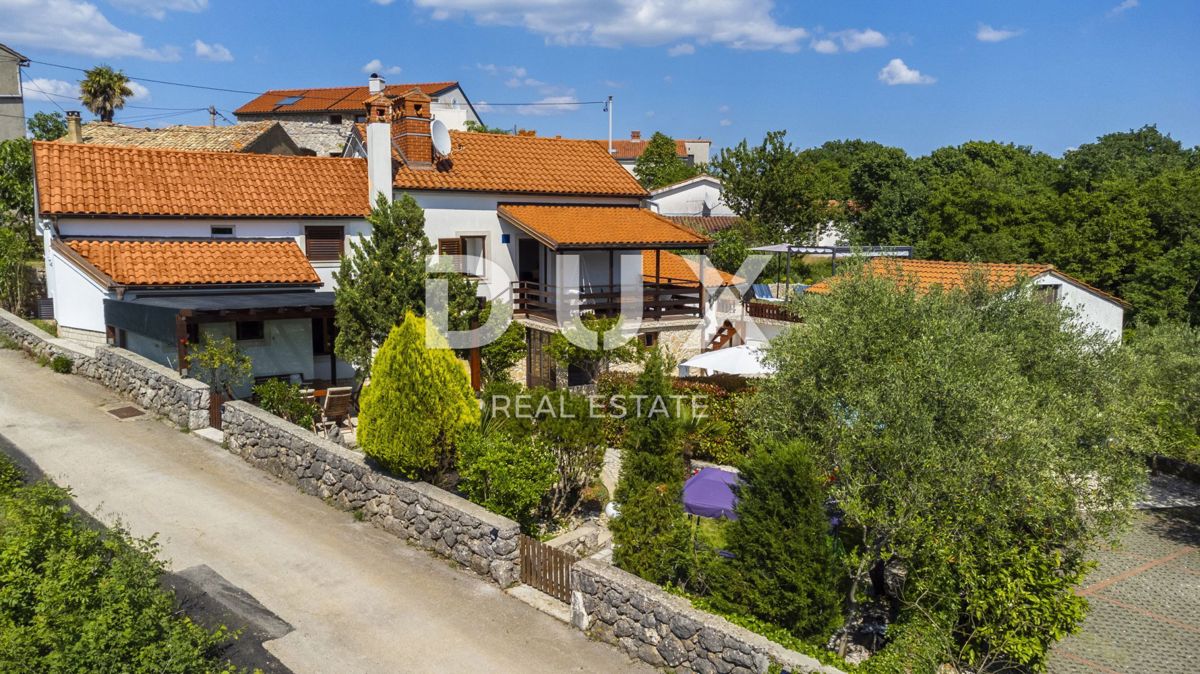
[[418, 405], [651, 538], [505, 474], [1166, 386], [77, 599], [285, 401], [784, 570], [61, 364]]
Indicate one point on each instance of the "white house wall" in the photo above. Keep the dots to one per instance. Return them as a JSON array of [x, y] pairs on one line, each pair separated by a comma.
[[1097, 313], [78, 299], [690, 200]]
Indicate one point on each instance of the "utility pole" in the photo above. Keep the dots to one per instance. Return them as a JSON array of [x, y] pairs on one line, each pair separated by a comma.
[[608, 107], [212, 115]]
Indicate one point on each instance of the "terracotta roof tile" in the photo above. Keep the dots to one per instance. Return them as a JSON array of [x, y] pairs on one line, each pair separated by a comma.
[[677, 267], [626, 148], [707, 224], [171, 262], [110, 180], [599, 226], [329, 99], [492, 162], [233, 138]]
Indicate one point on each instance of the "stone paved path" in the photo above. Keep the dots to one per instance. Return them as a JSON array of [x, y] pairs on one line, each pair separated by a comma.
[[1145, 593]]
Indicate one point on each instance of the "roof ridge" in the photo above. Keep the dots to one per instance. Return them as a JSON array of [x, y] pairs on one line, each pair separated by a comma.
[[355, 86], [249, 156]]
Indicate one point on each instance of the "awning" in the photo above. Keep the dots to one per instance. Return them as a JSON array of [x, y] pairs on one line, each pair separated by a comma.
[[744, 360], [561, 227], [155, 316]]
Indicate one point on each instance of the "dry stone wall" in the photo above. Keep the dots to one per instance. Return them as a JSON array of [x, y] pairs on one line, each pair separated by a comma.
[[667, 631], [433, 518], [38, 342]]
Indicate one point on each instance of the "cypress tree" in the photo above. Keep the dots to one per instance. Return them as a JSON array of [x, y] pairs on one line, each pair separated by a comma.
[[417, 406], [784, 570]]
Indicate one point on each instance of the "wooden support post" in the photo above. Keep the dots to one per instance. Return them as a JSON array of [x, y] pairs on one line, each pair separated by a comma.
[[181, 343], [657, 283], [474, 357]]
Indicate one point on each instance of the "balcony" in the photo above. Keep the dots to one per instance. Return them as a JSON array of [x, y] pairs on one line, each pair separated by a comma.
[[669, 298], [773, 311]]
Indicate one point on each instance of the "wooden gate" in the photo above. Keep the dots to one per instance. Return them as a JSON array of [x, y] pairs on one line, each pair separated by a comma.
[[545, 568], [215, 400]]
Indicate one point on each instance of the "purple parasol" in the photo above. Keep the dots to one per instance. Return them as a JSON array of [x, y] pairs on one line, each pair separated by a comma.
[[709, 493]]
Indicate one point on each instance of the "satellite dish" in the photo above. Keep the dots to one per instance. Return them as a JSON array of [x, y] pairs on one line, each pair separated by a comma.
[[441, 137]]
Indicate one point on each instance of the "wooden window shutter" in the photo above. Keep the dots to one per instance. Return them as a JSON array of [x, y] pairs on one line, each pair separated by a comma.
[[452, 247], [324, 243]]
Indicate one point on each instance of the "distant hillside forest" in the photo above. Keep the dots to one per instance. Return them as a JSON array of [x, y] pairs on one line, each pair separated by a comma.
[[1122, 213]]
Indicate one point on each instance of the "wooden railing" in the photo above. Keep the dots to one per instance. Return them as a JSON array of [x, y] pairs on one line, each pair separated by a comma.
[[667, 299], [770, 311]]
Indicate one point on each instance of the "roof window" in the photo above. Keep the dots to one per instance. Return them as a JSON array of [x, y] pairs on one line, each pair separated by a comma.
[[288, 100]]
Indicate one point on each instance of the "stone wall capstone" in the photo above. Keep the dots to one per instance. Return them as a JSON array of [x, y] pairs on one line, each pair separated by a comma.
[[666, 631], [433, 518], [38, 342]]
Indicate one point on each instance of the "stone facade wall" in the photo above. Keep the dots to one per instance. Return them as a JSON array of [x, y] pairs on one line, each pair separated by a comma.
[[667, 631], [155, 387], [435, 519], [38, 342]]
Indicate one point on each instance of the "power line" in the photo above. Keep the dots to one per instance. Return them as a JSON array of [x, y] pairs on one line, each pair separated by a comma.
[[39, 90]]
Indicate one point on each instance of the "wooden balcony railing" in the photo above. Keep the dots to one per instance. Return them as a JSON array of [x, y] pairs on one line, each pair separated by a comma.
[[775, 311], [667, 299]]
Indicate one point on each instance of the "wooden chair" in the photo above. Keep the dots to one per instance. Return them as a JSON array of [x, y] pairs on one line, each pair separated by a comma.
[[336, 408]]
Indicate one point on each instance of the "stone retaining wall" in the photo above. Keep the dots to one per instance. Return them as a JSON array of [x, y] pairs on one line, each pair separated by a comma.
[[667, 631], [433, 518], [155, 387], [38, 342]]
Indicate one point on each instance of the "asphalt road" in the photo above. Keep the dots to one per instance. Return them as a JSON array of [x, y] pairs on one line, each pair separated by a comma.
[[357, 599]]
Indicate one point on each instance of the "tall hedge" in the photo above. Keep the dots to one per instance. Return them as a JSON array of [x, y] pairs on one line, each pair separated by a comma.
[[417, 406], [783, 570]]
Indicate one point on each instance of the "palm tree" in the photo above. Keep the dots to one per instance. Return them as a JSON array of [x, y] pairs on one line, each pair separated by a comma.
[[103, 91]]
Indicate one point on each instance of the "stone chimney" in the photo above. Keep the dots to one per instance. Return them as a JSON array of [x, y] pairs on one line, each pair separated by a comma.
[[376, 84], [635, 135], [379, 145], [74, 127], [413, 137]]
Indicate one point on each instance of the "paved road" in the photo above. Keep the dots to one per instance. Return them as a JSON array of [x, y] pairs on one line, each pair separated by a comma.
[[1144, 594], [359, 599]]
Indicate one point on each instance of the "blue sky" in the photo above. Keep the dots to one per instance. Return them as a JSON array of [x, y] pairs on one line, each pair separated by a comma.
[[918, 75]]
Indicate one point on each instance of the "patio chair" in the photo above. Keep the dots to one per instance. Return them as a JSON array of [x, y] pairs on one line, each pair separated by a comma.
[[336, 408]]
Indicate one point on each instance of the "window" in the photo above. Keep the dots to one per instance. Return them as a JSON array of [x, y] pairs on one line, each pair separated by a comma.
[[650, 339], [1048, 293], [465, 245], [335, 119], [221, 231], [324, 243], [250, 330], [288, 100]]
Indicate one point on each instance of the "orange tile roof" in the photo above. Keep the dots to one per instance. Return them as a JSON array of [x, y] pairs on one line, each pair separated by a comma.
[[599, 227], [676, 267], [625, 148], [928, 273], [708, 224], [493, 162], [110, 180], [175, 262], [330, 99]]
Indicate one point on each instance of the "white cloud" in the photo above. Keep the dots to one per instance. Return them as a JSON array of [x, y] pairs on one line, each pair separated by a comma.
[[723, 109], [212, 52], [42, 89], [1125, 6], [850, 40], [140, 92], [825, 46], [649, 114], [741, 24], [896, 72], [159, 8], [726, 122], [376, 66], [550, 105], [988, 34], [613, 84], [682, 49], [72, 26]]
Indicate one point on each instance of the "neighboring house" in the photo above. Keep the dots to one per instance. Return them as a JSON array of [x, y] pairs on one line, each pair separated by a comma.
[[1097, 310], [696, 202], [149, 248], [264, 137], [315, 138], [12, 100], [343, 106], [693, 152], [530, 204]]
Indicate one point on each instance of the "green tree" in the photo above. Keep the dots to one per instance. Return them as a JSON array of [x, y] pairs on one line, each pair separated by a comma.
[[221, 364], [382, 278], [104, 90], [960, 425], [14, 274], [479, 127], [593, 362], [80, 599], [418, 405], [499, 356], [16, 187], [505, 474], [1165, 386], [47, 125], [783, 570], [660, 165], [730, 249], [651, 538]]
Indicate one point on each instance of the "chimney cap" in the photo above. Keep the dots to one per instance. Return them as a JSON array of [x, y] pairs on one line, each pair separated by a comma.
[[72, 113], [635, 135], [374, 76]]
